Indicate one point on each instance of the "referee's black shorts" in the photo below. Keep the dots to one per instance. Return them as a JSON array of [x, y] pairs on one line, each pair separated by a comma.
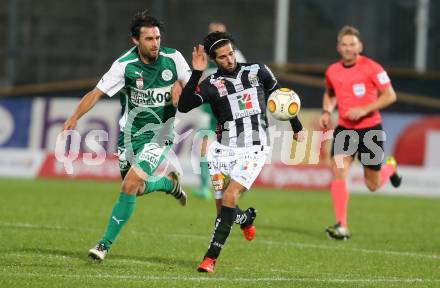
[[366, 143]]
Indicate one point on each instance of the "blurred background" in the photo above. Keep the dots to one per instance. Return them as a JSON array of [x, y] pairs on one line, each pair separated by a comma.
[[52, 52]]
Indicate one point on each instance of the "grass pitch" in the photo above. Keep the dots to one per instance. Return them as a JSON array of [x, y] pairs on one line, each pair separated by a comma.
[[47, 226]]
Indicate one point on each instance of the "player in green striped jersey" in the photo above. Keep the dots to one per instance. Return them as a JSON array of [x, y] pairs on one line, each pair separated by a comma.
[[144, 78]]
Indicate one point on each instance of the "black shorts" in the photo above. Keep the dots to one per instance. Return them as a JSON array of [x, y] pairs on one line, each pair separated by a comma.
[[366, 143]]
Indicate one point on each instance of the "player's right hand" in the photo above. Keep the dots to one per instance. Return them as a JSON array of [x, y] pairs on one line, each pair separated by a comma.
[[324, 121], [70, 123]]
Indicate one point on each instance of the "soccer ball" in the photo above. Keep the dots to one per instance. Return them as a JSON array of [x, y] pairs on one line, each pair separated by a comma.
[[284, 104]]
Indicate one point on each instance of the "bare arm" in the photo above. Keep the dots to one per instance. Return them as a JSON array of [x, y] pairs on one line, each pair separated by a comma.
[[329, 101], [385, 99], [176, 91], [87, 102], [328, 106]]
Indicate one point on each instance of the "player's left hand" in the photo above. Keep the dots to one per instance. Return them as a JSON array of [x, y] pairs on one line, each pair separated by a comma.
[[356, 113], [300, 136], [176, 90]]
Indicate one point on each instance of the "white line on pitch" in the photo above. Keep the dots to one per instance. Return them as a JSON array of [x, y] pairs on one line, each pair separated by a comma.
[[329, 247], [224, 279], [364, 250], [256, 241]]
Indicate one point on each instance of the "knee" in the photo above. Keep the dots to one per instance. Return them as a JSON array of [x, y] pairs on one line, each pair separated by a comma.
[[218, 205], [230, 197], [130, 186], [141, 189], [372, 185]]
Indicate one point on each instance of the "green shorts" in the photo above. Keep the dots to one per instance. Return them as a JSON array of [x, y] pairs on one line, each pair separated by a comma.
[[140, 153]]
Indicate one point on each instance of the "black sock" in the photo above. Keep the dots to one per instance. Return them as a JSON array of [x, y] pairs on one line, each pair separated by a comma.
[[241, 216], [222, 229]]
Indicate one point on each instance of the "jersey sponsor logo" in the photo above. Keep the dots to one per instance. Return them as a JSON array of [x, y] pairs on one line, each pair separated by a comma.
[[220, 165], [359, 89], [245, 103], [139, 74], [253, 80], [383, 78], [140, 83], [218, 181], [167, 75], [220, 85], [151, 154], [154, 97]]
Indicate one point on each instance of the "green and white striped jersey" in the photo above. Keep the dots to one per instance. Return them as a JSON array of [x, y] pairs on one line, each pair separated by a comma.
[[145, 91]]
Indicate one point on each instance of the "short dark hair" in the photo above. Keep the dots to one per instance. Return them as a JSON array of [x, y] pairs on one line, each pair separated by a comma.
[[143, 19], [216, 40]]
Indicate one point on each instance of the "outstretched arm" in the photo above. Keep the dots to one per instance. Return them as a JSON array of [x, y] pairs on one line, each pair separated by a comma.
[[87, 102]]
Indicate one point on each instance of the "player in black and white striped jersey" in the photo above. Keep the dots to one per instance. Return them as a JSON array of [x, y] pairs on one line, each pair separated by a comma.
[[238, 94]]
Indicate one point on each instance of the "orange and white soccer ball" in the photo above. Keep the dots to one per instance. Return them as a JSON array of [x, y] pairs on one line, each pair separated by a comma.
[[284, 104]]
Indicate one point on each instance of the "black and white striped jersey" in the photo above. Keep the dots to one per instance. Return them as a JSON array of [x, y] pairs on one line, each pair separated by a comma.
[[238, 101]]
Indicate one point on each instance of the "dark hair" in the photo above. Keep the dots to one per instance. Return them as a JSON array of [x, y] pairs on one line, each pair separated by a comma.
[[216, 40], [143, 19]]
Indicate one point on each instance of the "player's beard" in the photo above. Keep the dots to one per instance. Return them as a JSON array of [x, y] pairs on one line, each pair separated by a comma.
[[231, 68], [150, 56]]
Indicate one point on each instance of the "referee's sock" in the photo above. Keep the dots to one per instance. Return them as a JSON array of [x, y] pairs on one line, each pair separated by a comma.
[[385, 173], [340, 195]]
